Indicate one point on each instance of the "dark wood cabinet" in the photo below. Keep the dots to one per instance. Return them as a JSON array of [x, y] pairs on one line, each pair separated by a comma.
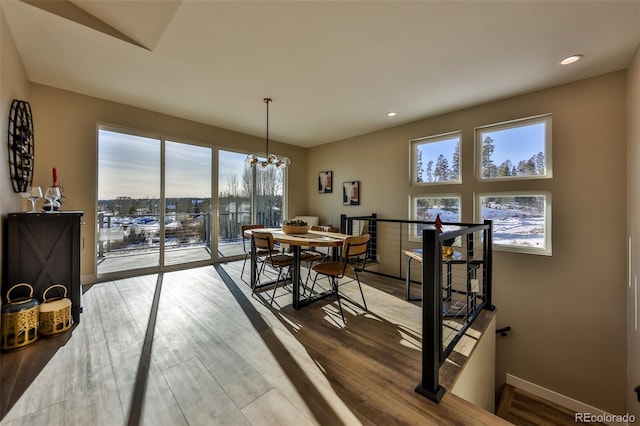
[[44, 249]]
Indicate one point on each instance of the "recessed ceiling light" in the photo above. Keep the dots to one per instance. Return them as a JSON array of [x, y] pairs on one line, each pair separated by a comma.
[[391, 114], [571, 59]]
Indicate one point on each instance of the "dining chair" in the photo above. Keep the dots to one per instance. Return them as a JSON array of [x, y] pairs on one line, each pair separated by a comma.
[[326, 251], [263, 241], [353, 249], [246, 246], [313, 254]]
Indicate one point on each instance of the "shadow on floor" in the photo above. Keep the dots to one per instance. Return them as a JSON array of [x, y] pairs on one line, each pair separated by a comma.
[[18, 369], [323, 412]]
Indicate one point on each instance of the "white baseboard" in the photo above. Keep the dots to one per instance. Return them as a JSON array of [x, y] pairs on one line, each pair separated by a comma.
[[561, 400]]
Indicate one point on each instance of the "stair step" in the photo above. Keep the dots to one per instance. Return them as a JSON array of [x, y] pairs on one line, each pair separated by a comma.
[[525, 409]]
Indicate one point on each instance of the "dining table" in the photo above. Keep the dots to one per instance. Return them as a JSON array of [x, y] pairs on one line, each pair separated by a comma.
[[296, 242]]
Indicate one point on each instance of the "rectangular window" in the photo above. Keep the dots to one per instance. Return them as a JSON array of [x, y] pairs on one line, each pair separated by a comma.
[[518, 149], [521, 221], [187, 185], [270, 196], [428, 207], [129, 188], [436, 159]]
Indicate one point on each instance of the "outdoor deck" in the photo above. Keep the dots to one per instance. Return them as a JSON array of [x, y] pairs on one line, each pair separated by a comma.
[[150, 258]]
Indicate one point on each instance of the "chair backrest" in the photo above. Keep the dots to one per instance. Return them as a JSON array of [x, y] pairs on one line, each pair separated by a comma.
[[262, 241], [245, 238], [355, 246], [323, 228]]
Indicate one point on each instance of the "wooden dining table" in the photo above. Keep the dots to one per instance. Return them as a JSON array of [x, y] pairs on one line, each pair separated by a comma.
[[296, 242]]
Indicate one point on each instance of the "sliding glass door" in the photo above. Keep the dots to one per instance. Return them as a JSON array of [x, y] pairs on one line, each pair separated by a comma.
[[234, 201], [155, 208], [151, 216], [128, 201], [239, 204], [187, 186]]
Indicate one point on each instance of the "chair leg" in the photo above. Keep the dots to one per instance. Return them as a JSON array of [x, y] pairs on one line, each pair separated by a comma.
[[313, 285], [275, 287], [244, 264], [259, 270], [247, 257], [334, 286], [306, 281], [361, 293]]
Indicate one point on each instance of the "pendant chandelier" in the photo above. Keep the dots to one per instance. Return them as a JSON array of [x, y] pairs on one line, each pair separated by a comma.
[[270, 159]]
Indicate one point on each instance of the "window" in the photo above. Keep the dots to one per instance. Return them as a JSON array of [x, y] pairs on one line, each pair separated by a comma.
[[187, 186], [154, 201], [128, 201], [270, 200], [246, 195], [436, 159], [427, 207], [518, 149], [521, 221]]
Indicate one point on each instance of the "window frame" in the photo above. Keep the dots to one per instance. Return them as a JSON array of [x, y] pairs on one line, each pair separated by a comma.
[[434, 139], [548, 219], [512, 124]]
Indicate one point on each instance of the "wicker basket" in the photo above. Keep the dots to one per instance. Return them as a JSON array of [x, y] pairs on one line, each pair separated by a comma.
[[20, 320], [55, 313], [295, 229]]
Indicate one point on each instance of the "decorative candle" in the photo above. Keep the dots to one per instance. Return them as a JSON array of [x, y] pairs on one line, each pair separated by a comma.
[[55, 177], [438, 224]]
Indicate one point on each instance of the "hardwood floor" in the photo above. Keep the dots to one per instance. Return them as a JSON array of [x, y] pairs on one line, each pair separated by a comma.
[[216, 355], [524, 409]]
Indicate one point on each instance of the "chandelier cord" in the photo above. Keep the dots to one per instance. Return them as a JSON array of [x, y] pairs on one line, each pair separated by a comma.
[[267, 101], [271, 160]]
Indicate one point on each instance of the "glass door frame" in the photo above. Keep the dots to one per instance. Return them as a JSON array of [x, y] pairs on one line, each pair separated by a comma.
[[214, 204], [161, 266]]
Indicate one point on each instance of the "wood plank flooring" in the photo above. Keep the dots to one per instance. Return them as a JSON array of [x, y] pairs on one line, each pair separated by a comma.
[[222, 356], [525, 409]]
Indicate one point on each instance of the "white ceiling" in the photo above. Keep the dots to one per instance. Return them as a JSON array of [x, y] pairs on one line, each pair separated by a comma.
[[333, 68]]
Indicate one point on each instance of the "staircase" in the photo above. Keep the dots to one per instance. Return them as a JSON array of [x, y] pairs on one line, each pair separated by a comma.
[[524, 409]]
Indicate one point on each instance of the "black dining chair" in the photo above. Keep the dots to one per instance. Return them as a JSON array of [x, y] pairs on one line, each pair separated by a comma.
[[263, 242], [246, 246], [314, 255], [354, 249]]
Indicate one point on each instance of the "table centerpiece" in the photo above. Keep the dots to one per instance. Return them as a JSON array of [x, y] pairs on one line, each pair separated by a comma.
[[295, 226]]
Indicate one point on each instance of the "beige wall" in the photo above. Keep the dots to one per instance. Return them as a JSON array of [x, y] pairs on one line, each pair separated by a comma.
[[566, 310], [13, 85], [476, 383], [66, 125], [633, 229]]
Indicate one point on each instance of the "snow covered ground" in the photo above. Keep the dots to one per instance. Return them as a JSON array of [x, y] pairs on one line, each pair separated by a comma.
[[516, 226], [511, 225]]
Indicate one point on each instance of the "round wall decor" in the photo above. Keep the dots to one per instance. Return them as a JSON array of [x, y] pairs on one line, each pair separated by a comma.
[[21, 145]]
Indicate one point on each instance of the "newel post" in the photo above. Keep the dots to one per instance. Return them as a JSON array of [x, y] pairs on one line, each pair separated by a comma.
[[431, 316]]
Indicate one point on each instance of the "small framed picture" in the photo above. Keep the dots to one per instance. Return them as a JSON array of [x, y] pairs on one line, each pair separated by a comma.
[[351, 193], [324, 182]]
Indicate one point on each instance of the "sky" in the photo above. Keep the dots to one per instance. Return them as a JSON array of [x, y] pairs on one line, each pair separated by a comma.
[[432, 150], [130, 166], [515, 144]]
